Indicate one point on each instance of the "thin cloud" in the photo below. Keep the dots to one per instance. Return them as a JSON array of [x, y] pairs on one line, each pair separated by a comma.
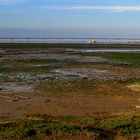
[[10, 1], [99, 8]]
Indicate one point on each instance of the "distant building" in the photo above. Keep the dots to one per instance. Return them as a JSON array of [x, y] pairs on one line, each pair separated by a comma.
[[92, 41]]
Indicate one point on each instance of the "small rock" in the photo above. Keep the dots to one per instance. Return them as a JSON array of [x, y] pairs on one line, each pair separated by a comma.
[[137, 106], [15, 100]]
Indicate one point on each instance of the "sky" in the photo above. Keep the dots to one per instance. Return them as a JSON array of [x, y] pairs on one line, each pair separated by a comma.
[[79, 18]]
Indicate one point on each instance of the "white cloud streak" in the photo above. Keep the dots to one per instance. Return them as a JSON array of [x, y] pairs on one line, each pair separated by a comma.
[[98, 8]]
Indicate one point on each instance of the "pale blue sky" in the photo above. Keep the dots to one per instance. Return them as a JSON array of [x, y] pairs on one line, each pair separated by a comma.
[[98, 17]]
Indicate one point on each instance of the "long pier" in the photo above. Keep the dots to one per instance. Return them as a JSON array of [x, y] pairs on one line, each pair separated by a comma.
[[57, 40]]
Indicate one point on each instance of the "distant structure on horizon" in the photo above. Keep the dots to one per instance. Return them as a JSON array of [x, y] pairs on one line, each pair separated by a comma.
[[92, 41]]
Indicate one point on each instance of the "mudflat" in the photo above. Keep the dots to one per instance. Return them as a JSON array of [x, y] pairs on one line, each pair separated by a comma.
[[62, 82]]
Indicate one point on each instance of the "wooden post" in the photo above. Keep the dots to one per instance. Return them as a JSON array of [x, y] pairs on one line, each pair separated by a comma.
[[105, 42], [12, 40], [91, 41], [76, 41], [28, 40], [60, 41], [73, 41]]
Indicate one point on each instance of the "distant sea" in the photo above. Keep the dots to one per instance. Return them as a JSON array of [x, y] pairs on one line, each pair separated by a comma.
[[68, 33], [98, 33]]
